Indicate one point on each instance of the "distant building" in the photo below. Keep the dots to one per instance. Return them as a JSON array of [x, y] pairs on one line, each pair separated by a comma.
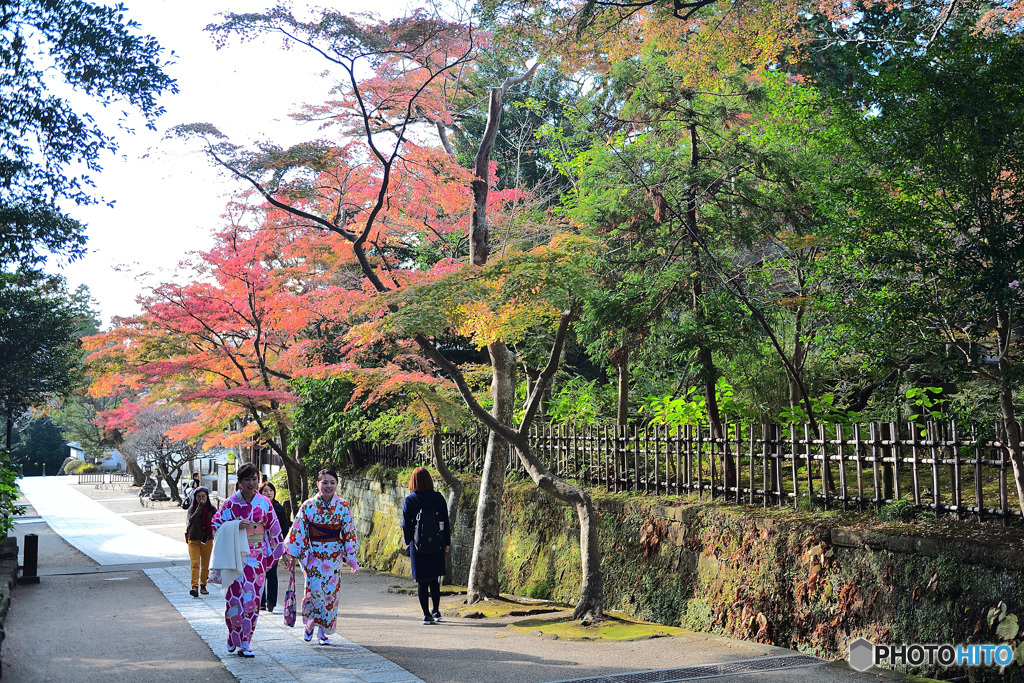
[[113, 461], [77, 452]]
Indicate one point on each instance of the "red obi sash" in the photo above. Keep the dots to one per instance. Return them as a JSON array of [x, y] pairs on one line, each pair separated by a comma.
[[324, 533]]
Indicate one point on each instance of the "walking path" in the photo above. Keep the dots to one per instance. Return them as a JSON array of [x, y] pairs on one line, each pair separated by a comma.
[[97, 623], [101, 534], [384, 641]]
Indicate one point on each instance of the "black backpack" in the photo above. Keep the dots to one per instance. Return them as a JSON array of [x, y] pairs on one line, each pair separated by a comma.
[[427, 537]]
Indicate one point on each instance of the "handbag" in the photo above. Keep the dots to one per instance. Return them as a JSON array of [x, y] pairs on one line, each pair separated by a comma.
[[214, 577], [289, 601]]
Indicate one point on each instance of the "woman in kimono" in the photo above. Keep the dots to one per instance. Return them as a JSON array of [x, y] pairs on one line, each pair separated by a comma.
[[257, 518], [324, 538]]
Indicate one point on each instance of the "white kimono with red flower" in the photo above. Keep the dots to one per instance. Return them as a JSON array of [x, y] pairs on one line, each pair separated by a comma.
[[323, 537]]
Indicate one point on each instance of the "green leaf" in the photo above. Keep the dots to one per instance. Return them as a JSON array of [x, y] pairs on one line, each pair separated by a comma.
[[1007, 629]]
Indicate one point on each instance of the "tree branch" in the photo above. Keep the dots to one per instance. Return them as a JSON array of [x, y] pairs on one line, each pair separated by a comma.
[[540, 384], [452, 370]]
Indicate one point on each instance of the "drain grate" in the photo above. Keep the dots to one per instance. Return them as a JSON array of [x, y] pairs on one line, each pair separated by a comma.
[[691, 673]]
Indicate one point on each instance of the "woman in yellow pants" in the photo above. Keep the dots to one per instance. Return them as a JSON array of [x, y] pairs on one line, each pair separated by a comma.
[[199, 534]]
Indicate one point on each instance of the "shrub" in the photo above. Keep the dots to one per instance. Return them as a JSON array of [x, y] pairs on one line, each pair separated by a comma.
[[74, 467], [8, 495], [898, 511], [382, 474]]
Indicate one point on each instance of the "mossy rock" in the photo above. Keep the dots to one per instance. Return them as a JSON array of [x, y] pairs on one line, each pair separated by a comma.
[[613, 628]]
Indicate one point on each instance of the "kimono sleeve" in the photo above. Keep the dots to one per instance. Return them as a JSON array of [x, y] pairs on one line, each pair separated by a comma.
[[224, 514], [348, 529], [298, 537]]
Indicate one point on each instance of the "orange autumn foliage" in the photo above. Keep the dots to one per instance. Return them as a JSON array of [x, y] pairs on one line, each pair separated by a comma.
[[227, 343]]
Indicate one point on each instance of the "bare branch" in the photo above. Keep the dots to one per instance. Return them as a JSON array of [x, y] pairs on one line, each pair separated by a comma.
[[943, 20]]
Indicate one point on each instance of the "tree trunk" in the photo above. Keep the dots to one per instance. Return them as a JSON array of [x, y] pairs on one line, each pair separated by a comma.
[[1010, 424], [138, 476], [531, 380], [709, 376], [455, 487], [479, 232], [622, 399], [294, 482], [621, 359], [295, 470], [708, 373], [172, 479], [485, 566], [798, 361], [590, 606], [1013, 438], [796, 388], [296, 474]]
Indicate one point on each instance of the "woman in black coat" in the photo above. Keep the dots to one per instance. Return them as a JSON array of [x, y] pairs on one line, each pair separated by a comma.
[[427, 566]]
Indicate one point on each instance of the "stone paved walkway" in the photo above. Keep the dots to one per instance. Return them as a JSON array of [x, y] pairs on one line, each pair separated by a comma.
[[282, 655]]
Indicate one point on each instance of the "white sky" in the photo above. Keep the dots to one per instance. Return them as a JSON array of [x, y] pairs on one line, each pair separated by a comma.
[[168, 198]]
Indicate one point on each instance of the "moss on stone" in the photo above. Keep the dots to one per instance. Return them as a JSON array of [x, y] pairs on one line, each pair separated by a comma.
[[500, 607], [614, 628]]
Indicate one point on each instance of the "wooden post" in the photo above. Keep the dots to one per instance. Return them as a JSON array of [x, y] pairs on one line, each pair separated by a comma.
[[842, 464], [933, 438], [1002, 475], [826, 467], [860, 466], [796, 477], [914, 462], [958, 501], [897, 448], [700, 474]]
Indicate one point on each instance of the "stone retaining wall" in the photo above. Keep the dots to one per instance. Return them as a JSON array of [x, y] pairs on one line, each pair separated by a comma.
[[376, 508], [790, 579], [8, 579], [377, 511]]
